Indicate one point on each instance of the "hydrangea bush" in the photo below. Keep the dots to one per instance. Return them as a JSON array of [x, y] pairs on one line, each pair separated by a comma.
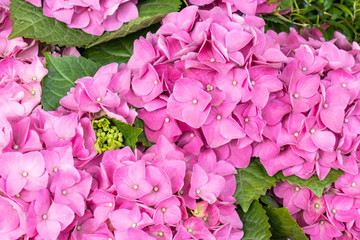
[[212, 129]]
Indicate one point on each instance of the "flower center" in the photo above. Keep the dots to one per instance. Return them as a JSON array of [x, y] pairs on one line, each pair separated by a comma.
[[135, 187], [321, 222], [155, 189], [192, 135], [33, 92], [218, 117], [304, 69], [197, 191], [64, 192], [34, 78], [98, 99], [189, 230], [326, 105], [296, 134], [160, 234], [253, 83], [44, 217], [209, 88], [317, 205], [134, 225], [167, 119], [110, 204], [344, 85], [312, 131], [24, 174], [156, 82], [163, 209], [333, 210], [246, 119], [297, 189], [353, 184], [234, 83], [212, 60], [16, 147], [346, 120], [55, 170], [296, 95], [195, 101]]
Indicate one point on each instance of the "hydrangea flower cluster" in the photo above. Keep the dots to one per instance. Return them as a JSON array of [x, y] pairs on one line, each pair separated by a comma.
[[334, 215], [93, 17], [217, 81]]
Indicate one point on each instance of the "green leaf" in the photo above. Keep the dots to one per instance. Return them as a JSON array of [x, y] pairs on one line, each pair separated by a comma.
[[150, 12], [285, 4], [283, 226], [62, 73], [314, 183], [269, 200], [142, 137], [117, 50], [130, 133], [348, 32], [251, 183], [29, 22], [343, 8], [327, 4], [255, 221]]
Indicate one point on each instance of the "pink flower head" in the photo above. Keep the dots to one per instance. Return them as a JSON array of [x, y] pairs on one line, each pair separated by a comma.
[[322, 229], [33, 72], [316, 208], [349, 184], [23, 171], [337, 58], [71, 189], [220, 128], [340, 209], [193, 227], [48, 218], [104, 203], [189, 103], [205, 185], [122, 219], [130, 181], [160, 232], [168, 211]]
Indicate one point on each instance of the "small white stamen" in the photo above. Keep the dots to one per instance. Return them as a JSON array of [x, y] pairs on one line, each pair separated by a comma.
[[110, 204], [321, 222], [17, 195], [304, 69], [197, 191], [192, 135], [234, 83], [163, 209], [189, 230], [155, 189], [218, 117], [167, 119], [297, 189], [353, 184], [195, 101], [205, 219], [209, 88], [135, 187], [312, 131], [89, 9], [33, 92], [64, 192], [55, 170], [253, 83], [98, 99], [160, 234], [78, 228], [25, 174], [344, 85], [134, 225], [346, 120], [317, 205], [296, 134], [296, 95], [326, 105], [44, 217], [212, 60], [16, 147], [333, 210], [246, 120], [34, 78], [156, 82]]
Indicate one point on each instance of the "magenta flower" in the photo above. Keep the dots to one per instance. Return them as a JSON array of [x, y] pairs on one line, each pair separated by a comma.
[[322, 229], [220, 128], [33, 72], [23, 171], [160, 232], [189, 103], [47, 218], [161, 186], [337, 58], [12, 220], [168, 212], [193, 227], [125, 219], [130, 181], [316, 208], [227, 232], [73, 191], [204, 185], [340, 209], [349, 184], [308, 61]]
